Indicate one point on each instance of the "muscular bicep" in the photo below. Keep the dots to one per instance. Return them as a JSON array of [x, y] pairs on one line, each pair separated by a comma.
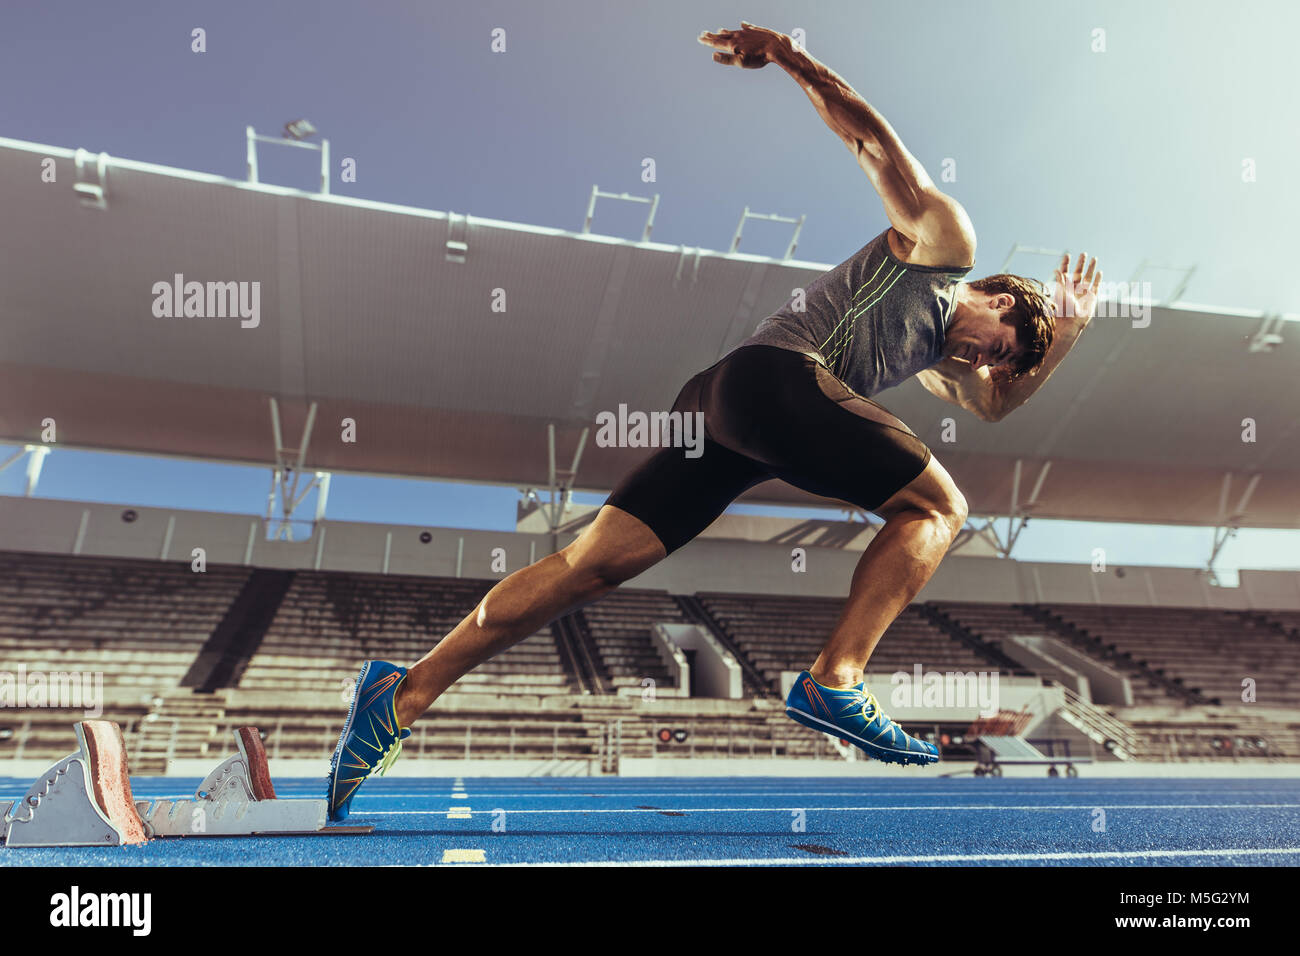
[[957, 383], [917, 208]]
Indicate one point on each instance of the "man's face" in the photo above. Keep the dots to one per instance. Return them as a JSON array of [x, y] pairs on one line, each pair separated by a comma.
[[986, 340]]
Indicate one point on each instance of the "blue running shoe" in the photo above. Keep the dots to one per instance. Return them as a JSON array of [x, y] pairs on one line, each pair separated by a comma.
[[371, 737], [854, 715]]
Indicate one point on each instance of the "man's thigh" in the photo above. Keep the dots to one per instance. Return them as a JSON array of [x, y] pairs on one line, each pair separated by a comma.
[[678, 497]]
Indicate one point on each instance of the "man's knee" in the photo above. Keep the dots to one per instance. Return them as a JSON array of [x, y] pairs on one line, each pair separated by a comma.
[[616, 548], [956, 510], [933, 493], [951, 512], [599, 573]]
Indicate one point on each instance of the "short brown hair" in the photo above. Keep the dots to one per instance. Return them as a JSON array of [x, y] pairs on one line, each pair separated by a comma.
[[1032, 315]]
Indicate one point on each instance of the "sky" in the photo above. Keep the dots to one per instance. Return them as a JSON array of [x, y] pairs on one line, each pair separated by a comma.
[[1135, 132]]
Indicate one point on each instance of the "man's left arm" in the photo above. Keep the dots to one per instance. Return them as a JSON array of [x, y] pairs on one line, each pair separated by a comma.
[[1075, 301]]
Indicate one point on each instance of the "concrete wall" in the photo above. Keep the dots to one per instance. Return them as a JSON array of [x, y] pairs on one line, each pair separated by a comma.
[[707, 564]]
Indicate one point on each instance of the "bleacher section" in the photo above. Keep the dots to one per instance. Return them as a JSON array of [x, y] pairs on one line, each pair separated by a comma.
[[139, 623], [1288, 621], [619, 627], [786, 633], [142, 624], [996, 623], [329, 622], [1209, 651]]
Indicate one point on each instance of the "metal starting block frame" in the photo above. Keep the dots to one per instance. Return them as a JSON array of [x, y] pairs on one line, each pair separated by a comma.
[[71, 804], [62, 808]]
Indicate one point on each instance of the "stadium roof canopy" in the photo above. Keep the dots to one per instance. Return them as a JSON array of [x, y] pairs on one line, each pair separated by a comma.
[[365, 311]]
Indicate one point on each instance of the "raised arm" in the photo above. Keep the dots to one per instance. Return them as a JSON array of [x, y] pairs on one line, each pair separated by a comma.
[[1074, 302], [991, 394], [916, 208]]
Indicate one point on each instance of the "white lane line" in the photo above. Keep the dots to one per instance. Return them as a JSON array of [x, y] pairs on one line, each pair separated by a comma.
[[938, 858], [793, 792], [463, 856], [995, 807]]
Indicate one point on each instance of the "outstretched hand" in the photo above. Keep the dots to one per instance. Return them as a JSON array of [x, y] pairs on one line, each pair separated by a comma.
[[749, 47], [1076, 295]]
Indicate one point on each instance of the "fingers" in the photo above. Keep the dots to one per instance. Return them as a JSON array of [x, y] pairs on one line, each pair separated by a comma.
[[726, 41], [721, 37], [1091, 279]]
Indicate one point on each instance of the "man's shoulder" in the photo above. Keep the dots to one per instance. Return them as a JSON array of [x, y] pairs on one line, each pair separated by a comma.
[[945, 236]]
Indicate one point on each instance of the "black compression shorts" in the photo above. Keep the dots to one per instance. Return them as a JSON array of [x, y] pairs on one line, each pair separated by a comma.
[[770, 413]]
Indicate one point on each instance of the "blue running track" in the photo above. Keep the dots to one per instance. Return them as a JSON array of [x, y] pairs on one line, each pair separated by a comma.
[[750, 821]]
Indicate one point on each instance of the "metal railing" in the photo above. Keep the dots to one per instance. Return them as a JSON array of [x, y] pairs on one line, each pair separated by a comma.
[[1100, 726], [309, 737]]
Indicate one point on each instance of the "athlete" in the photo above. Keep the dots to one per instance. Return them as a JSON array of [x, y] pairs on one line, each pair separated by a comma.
[[791, 402]]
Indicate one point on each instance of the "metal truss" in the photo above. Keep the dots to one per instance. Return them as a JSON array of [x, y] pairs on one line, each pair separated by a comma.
[[559, 487], [253, 138], [93, 192], [1269, 335], [794, 239], [285, 477], [1227, 523], [591, 209], [1018, 248], [1017, 517], [1185, 273], [34, 463]]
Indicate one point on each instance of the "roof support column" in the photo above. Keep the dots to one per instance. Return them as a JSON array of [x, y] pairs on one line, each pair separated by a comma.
[[285, 477], [1017, 516], [559, 486], [1228, 523], [37, 455]]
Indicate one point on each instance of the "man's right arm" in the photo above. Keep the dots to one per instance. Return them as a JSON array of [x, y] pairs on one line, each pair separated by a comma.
[[915, 206], [957, 383], [934, 227]]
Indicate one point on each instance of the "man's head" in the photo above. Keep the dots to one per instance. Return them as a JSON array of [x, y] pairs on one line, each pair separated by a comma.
[[1002, 321]]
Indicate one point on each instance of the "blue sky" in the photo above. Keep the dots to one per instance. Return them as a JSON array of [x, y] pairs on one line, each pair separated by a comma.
[[1132, 153]]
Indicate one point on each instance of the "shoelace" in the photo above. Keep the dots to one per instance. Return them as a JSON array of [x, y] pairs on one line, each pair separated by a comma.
[[392, 753], [868, 700]]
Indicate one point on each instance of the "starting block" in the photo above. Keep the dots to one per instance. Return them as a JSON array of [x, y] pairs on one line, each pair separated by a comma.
[[85, 800]]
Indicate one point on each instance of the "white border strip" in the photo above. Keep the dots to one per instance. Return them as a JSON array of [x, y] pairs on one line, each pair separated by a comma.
[[812, 860]]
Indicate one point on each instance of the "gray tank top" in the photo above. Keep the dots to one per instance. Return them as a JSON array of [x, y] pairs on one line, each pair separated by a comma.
[[874, 321]]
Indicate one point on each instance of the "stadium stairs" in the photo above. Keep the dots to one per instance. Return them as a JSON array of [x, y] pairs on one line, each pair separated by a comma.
[[958, 632], [696, 613], [226, 653]]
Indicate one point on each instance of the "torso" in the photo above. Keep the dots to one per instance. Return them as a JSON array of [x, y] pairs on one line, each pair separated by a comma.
[[875, 318]]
